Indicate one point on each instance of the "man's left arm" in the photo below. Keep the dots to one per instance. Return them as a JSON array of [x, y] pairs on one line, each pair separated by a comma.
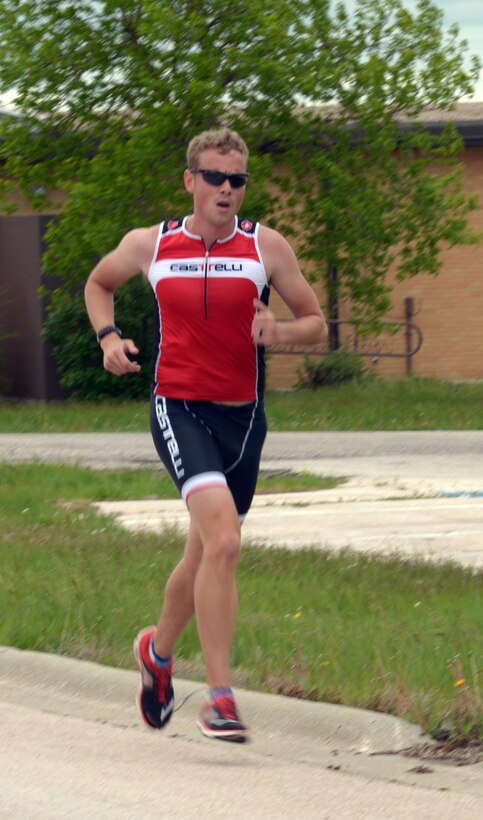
[[308, 325]]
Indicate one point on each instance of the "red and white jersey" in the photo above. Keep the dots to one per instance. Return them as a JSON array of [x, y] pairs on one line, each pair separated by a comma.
[[203, 345]]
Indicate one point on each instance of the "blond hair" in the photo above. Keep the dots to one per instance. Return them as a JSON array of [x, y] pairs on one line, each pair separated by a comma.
[[222, 140]]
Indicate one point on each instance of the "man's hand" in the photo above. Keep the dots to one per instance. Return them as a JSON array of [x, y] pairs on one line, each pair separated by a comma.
[[116, 352], [264, 325]]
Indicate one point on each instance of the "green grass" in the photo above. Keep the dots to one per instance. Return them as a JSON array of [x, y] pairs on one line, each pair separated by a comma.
[[392, 635], [409, 404]]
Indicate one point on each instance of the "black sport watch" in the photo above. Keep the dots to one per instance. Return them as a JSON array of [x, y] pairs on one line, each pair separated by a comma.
[[104, 331]]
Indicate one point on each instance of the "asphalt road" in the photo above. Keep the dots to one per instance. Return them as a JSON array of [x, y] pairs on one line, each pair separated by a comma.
[[448, 456]]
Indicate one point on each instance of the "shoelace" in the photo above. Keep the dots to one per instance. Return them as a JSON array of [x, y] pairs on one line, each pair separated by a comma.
[[225, 706]]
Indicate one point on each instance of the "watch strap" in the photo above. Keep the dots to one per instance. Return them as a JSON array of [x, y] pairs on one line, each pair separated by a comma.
[[104, 331]]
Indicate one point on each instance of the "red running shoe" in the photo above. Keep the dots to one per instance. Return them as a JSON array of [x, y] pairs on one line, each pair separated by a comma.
[[219, 719], [155, 695]]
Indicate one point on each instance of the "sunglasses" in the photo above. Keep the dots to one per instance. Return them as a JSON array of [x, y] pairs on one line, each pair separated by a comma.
[[217, 178]]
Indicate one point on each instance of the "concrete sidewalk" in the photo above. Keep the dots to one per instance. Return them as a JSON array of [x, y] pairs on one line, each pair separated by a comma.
[[436, 529], [74, 746]]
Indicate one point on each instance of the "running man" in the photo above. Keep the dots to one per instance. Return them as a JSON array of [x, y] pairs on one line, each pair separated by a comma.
[[210, 272]]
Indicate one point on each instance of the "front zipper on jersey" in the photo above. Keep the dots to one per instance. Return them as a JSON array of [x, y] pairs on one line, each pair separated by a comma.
[[205, 289]]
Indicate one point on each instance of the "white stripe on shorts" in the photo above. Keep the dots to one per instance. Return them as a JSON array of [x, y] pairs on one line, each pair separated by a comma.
[[200, 481]]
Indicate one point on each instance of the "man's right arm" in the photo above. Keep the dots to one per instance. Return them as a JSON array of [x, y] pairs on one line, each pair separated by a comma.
[[132, 256]]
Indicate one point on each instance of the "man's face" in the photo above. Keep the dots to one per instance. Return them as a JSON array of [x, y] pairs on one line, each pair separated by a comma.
[[217, 204]]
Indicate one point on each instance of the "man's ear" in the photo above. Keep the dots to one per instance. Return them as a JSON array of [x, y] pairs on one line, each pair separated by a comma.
[[189, 181]]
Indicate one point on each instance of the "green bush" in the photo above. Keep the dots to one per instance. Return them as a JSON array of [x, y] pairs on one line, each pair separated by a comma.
[[340, 366], [77, 354]]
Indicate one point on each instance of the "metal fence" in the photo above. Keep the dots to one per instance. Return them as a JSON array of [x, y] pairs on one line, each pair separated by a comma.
[[389, 343]]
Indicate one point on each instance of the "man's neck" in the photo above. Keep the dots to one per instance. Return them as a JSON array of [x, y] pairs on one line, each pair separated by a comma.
[[209, 233]]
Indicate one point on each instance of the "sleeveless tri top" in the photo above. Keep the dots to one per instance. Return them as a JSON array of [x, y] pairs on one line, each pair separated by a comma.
[[204, 311]]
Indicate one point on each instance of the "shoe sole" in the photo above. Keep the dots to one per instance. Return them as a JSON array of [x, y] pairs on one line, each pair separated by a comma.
[[141, 687], [231, 735]]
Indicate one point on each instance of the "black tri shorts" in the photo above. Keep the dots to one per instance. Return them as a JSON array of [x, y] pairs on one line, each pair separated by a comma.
[[203, 444]]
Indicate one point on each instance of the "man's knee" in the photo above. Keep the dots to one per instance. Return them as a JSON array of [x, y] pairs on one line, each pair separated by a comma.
[[215, 518], [224, 549]]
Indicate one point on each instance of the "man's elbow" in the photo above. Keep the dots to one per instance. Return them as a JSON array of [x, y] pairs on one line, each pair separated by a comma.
[[321, 330], [316, 330]]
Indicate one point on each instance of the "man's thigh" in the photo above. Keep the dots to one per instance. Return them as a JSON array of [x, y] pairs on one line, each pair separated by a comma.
[[185, 445], [239, 433], [203, 445]]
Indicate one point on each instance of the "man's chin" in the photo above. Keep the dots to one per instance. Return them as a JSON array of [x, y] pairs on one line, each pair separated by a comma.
[[225, 214], [224, 218]]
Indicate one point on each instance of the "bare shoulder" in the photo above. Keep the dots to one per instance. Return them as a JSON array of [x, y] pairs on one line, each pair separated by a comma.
[[272, 241], [277, 253], [136, 248]]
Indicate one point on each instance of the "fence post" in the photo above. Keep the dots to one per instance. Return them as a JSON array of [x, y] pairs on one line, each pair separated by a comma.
[[332, 278], [408, 317]]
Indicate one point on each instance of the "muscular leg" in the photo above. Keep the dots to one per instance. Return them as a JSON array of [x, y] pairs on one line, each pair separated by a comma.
[[213, 512], [178, 606], [179, 599]]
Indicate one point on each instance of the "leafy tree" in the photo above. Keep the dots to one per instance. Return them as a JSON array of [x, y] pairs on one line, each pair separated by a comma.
[[109, 92], [389, 192]]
